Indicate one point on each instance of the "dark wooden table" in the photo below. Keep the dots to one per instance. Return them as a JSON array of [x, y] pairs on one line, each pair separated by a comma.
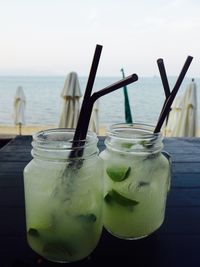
[[176, 243]]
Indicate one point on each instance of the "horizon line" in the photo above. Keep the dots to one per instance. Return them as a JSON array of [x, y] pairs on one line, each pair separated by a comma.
[[83, 76]]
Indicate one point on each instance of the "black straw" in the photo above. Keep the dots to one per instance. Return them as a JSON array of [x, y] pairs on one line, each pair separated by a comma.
[[163, 75], [167, 105], [130, 79], [81, 123], [164, 79], [88, 110]]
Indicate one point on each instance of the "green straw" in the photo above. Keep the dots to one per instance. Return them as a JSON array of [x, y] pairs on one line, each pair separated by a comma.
[[128, 116]]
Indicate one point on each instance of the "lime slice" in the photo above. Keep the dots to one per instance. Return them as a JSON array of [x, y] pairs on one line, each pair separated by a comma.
[[118, 174], [114, 196]]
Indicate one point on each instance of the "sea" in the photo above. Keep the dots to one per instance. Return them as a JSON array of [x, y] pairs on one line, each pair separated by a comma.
[[44, 103]]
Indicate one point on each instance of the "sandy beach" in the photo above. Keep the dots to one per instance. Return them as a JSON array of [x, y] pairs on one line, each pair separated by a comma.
[[7, 132], [11, 131]]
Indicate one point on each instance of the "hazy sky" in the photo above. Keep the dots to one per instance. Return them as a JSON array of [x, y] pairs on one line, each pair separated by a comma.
[[53, 37]]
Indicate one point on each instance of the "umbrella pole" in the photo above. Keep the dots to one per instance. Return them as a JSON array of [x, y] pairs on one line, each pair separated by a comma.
[[20, 129]]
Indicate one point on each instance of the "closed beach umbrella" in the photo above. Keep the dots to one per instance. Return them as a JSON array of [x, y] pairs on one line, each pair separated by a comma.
[[189, 118], [94, 120], [71, 94], [182, 120], [19, 108], [174, 122], [128, 116]]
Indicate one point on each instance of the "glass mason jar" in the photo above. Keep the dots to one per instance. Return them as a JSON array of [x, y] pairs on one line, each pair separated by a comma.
[[63, 196], [137, 179]]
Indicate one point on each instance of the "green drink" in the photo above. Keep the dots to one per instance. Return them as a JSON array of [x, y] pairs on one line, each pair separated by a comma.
[[137, 178], [63, 197]]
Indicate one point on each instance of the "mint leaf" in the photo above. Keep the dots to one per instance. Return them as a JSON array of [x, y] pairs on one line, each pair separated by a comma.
[[88, 218], [33, 232], [127, 145], [57, 250]]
